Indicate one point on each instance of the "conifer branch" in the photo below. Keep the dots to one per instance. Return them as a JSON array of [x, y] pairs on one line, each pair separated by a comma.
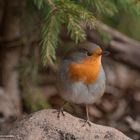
[[50, 37], [72, 13]]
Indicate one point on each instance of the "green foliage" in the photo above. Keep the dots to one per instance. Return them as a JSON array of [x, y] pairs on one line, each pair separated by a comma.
[[106, 38], [33, 97], [106, 7], [129, 26], [111, 7], [73, 14], [39, 3], [127, 19], [35, 100], [130, 6], [75, 30], [50, 37], [43, 4], [66, 13]]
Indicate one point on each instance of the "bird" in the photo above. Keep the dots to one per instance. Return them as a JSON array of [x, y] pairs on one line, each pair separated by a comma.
[[82, 78]]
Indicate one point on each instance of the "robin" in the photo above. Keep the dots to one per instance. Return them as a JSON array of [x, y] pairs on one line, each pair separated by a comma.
[[81, 76]]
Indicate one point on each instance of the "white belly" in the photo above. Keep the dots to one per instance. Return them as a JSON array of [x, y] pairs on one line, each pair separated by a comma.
[[79, 93]]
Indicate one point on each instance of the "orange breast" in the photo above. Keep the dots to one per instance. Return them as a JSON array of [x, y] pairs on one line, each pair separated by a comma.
[[87, 71]]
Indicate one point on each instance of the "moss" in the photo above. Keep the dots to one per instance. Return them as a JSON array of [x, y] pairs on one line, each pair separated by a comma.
[[35, 100]]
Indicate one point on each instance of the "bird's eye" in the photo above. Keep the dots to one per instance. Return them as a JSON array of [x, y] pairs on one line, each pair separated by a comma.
[[89, 54], [85, 51]]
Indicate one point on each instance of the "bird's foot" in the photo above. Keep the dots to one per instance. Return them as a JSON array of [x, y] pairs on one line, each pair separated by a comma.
[[85, 122], [59, 112]]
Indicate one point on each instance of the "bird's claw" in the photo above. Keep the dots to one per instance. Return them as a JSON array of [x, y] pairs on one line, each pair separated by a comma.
[[85, 122], [59, 112]]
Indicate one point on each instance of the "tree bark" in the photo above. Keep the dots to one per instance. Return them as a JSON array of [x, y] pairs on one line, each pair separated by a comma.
[[10, 50], [11, 82]]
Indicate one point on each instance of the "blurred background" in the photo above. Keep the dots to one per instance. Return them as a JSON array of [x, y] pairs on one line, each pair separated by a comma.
[[33, 32]]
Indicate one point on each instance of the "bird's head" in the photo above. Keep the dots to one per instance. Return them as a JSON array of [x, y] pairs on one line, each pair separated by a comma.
[[85, 51]]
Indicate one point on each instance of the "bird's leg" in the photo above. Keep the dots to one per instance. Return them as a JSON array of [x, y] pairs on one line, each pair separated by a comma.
[[61, 110], [87, 121], [87, 114]]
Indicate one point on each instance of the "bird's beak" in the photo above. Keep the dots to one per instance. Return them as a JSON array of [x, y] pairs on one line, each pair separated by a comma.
[[105, 53]]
